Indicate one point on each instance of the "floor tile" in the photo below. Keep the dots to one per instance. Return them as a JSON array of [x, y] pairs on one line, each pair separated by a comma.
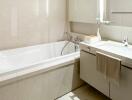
[[84, 93]]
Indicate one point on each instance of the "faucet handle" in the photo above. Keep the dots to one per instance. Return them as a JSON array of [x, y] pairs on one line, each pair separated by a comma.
[[125, 39]]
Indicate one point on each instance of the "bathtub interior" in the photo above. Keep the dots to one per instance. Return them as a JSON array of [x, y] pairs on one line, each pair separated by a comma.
[[18, 58]]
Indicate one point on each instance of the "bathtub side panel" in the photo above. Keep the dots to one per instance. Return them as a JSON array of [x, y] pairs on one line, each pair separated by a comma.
[[46, 86]]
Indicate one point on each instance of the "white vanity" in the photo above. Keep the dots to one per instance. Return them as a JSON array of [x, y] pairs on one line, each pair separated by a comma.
[[89, 74]]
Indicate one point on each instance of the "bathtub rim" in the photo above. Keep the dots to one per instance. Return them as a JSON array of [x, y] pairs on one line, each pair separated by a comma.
[[33, 70]]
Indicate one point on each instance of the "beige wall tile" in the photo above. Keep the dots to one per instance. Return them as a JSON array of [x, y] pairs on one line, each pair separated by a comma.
[[30, 22], [107, 31], [83, 28]]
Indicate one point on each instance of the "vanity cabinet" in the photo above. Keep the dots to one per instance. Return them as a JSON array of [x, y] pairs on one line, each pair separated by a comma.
[[123, 91], [90, 75], [83, 11]]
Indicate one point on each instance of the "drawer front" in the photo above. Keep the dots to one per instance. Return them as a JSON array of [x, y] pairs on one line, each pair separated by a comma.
[[123, 91], [90, 75]]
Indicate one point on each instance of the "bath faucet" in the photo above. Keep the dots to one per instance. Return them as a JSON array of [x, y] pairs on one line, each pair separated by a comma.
[[125, 41], [76, 41]]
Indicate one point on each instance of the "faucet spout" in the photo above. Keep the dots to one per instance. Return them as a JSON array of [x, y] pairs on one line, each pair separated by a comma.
[[125, 41]]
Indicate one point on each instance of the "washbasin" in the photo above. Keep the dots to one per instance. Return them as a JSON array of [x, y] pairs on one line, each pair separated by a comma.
[[117, 48]]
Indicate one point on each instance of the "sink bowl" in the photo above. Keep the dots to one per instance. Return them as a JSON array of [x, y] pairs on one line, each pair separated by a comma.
[[117, 48]]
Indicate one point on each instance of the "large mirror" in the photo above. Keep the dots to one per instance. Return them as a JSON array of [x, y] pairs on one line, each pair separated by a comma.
[[117, 12]]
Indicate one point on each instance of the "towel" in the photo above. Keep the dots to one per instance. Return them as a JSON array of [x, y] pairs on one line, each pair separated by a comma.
[[101, 63], [109, 66]]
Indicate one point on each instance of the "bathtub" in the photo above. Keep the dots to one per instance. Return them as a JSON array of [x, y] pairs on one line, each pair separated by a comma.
[[21, 61], [40, 72]]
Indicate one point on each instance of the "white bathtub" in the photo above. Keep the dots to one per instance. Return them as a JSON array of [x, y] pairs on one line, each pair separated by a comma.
[[39, 72], [26, 59]]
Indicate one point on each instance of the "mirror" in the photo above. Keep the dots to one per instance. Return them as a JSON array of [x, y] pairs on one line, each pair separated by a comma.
[[116, 12]]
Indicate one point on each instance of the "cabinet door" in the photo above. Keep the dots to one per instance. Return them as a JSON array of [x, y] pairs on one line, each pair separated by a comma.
[[83, 11], [123, 91], [90, 75]]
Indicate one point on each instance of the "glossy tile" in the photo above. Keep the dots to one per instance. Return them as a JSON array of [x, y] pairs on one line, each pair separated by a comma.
[[30, 22]]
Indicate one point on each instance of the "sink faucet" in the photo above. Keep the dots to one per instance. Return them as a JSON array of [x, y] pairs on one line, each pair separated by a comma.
[[125, 41]]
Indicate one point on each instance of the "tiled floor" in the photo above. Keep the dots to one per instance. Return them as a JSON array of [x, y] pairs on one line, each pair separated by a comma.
[[84, 93]]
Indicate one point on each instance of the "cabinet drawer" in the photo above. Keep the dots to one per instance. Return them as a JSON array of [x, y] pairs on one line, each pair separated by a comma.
[[123, 91]]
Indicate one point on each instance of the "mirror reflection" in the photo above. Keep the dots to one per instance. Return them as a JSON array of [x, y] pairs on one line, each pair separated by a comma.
[[118, 12]]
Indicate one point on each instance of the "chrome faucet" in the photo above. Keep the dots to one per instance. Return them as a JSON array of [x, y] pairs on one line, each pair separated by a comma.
[[125, 41], [76, 41]]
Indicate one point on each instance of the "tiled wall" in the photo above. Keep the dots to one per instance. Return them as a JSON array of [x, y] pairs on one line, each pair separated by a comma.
[[30, 22], [83, 28], [107, 31], [116, 32]]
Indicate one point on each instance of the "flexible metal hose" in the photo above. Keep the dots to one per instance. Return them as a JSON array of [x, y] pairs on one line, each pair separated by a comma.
[[64, 47]]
